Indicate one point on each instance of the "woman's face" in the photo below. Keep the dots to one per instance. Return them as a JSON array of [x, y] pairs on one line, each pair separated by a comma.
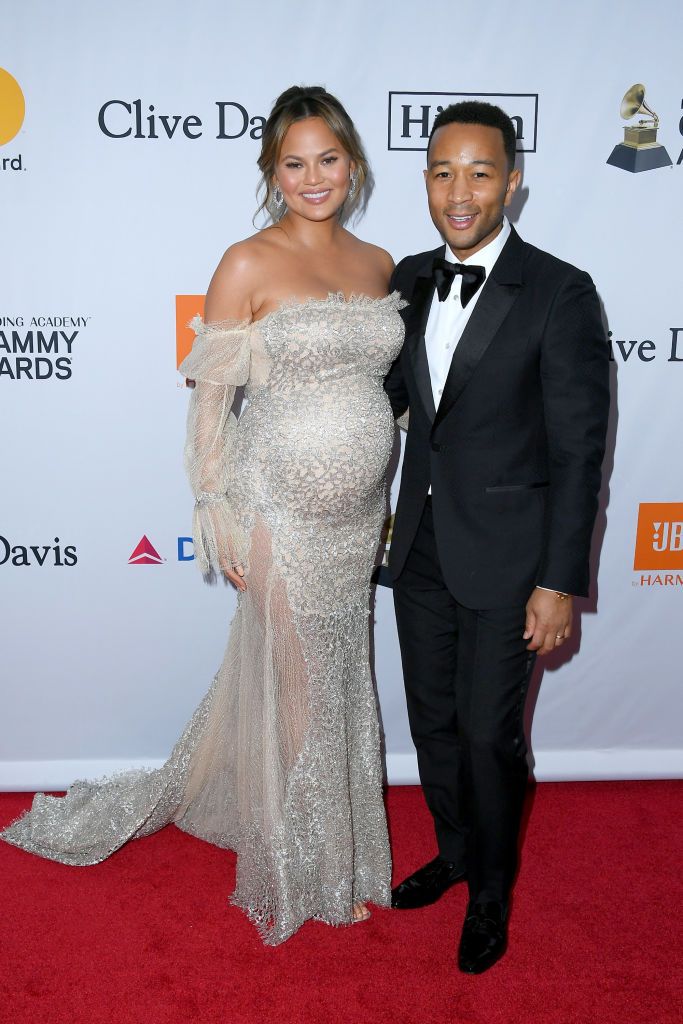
[[313, 170]]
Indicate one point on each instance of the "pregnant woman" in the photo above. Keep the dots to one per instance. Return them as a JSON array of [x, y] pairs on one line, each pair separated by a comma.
[[281, 760]]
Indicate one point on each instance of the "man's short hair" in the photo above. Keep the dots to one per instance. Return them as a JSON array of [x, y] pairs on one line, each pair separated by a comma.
[[476, 112]]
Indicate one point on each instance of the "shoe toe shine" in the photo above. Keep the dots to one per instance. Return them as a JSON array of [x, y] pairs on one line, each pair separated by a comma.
[[484, 938], [426, 885]]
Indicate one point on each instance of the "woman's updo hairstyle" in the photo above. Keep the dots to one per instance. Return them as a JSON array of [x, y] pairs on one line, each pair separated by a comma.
[[296, 104]]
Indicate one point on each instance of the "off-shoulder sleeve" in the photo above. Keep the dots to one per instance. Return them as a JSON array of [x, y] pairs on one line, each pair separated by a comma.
[[218, 363]]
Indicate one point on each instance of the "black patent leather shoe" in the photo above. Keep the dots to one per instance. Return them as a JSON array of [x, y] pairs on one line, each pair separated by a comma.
[[484, 937], [426, 885]]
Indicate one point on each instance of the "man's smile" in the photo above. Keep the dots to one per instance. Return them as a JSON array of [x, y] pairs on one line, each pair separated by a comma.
[[461, 221]]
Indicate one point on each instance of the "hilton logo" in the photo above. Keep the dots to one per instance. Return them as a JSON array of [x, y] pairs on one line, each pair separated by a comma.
[[412, 114]]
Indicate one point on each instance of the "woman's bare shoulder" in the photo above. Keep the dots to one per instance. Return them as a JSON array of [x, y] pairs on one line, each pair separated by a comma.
[[375, 255], [235, 279], [241, 257]]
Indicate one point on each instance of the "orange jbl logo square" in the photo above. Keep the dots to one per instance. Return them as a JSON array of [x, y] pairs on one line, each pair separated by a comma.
[[659, 541], [186, 306]]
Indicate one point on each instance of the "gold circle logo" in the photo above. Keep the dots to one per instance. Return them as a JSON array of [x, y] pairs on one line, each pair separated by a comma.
[[12, 107]]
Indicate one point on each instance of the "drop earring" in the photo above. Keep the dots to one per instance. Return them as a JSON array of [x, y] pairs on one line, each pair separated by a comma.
[[277, 202], [353, 187]]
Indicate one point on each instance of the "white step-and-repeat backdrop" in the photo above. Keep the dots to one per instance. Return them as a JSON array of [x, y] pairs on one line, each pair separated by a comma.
[[128, 141]]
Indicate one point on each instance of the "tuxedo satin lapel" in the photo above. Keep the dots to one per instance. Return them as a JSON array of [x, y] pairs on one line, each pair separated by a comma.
[[415, 317], [488, 315], [497, 297]]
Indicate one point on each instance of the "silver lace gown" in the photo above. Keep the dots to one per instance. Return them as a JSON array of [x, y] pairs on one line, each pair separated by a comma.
[[281, 760]]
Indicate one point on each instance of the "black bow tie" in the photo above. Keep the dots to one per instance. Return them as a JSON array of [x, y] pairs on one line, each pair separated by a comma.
[[443, 273]]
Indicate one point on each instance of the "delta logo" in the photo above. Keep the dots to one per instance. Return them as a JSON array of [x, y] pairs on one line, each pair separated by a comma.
[[12, 113], [659, 544], [144, 553], [186, 308]]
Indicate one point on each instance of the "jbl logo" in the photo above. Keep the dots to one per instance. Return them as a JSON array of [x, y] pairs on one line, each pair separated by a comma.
[[668, 537], [659, 541]]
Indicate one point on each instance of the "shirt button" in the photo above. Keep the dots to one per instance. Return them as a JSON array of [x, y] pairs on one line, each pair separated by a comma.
[[447, 347]]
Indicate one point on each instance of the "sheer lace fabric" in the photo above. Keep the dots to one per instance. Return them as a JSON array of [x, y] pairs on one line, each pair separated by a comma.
[[281, 760]]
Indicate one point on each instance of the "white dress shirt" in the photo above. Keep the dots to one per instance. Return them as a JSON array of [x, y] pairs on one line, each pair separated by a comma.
[[447, 320]]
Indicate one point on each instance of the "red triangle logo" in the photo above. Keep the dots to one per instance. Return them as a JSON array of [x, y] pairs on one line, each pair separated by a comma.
[[145, 554]]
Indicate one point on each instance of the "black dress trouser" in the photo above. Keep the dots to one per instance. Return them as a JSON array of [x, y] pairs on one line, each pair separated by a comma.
[[466, 675]]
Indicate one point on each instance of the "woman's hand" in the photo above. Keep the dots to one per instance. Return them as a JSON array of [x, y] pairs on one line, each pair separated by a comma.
[[236, 577]]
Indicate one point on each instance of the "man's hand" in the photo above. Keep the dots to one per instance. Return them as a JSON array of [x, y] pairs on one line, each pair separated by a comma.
[[548, 621]]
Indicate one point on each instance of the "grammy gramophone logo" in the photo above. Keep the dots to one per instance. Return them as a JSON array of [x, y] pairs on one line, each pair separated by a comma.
[[640, 150]]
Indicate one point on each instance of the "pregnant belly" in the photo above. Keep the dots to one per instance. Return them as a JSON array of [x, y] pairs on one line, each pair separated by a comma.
[[322, 453]]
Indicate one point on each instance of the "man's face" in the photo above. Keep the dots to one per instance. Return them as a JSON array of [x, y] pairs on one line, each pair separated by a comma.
[[468, 185]]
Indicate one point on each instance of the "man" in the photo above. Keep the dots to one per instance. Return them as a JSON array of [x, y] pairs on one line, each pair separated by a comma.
[[505, 371]]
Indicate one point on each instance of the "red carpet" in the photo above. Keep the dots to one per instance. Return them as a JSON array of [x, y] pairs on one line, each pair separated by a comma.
[[148, 937]]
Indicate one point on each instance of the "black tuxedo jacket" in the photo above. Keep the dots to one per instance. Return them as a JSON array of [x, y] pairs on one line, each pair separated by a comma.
[[514, 450]]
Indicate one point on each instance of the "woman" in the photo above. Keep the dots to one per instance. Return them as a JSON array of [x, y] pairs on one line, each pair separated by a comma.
[[281, 760]]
